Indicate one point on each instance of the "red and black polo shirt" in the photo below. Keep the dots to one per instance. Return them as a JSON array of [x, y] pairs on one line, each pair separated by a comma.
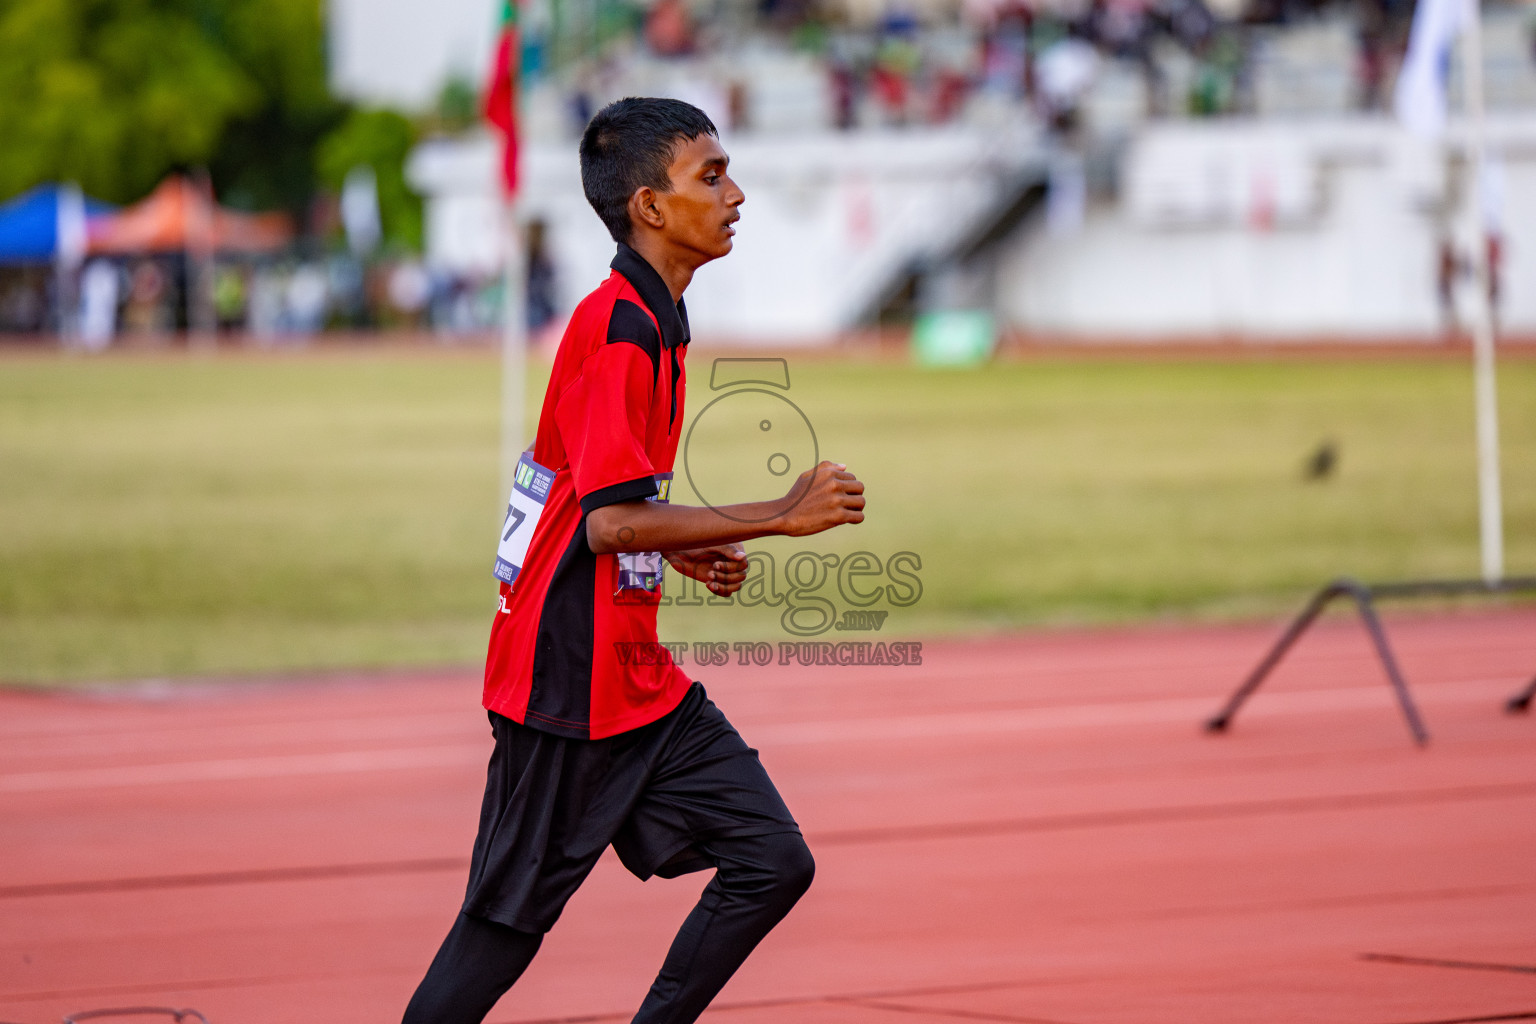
[[566, 648]]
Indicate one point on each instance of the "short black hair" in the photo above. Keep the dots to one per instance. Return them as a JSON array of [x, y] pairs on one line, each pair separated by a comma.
[[628, 146]]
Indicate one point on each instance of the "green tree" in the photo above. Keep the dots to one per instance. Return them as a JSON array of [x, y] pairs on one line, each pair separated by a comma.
[[381, 139], [113, 93], [267, 156]]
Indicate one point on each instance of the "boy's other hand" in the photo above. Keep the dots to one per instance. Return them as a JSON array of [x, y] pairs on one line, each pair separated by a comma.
[[722, 567], [828, 496]]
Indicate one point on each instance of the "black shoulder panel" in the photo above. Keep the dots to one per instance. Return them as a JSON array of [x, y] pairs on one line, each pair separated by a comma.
[[631, 324]]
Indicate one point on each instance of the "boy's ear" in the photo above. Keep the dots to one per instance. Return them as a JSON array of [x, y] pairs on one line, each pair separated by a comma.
[[643, 208]]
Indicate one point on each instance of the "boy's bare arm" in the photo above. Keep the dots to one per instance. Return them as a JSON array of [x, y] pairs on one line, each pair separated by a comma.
[[821, 498]]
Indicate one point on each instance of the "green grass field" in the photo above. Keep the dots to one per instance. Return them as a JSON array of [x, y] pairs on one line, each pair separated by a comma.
[[174, 515]]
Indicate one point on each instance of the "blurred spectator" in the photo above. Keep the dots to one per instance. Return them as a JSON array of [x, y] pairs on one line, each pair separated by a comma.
[[305, 300], [890, 88], [541, 278], [99, 284], [581, 107], [896, 63], [1376, 63], [1495, 273], [463, 304], [22, 306], [1062, 74], [737, 101], [669, 29], [844, 95], [947, 95], [1188, 21], [1217, 76], [229, 285], [1453, 270], [264, 307], [346, 282], [1448, 268], [1371, 69], [1122, 27], [785, 15], [409, 291], [151, 306], [1125, 29], [1005, 66]]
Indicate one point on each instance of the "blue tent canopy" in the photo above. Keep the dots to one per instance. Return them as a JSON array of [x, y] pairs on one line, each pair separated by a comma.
[[29, 225]]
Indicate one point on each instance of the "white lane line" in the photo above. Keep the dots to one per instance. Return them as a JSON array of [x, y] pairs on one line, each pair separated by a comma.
[[1186, 710], [466, 724], [246, 768]]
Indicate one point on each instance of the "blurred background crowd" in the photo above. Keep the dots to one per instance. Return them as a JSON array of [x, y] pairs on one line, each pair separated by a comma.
[[271, 169]]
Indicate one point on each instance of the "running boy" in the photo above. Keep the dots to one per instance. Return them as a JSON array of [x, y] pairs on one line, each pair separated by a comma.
[[593, 748]]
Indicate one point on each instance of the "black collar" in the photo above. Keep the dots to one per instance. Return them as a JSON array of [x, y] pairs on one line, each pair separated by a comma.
[[655, 293]]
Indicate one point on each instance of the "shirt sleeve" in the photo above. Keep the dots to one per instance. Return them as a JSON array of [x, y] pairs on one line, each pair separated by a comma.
[[602, 419]]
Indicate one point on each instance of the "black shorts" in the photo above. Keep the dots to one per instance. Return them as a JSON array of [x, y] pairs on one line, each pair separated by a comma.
[[553, 805]]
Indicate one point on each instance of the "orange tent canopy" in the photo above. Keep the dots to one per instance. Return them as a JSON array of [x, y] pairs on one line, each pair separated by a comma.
[[178, 216]]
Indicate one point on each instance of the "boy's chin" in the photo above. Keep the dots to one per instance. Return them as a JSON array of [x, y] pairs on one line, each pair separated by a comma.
[[721, 248]]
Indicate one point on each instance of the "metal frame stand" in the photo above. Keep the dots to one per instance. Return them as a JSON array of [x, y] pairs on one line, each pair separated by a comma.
[[1365, 596], [1522, 700]]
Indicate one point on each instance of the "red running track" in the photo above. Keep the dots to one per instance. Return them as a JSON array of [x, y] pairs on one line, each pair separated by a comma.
[[1030, 829]]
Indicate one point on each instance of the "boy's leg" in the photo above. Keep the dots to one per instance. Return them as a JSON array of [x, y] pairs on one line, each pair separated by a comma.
[[477, 963], [758, 879]]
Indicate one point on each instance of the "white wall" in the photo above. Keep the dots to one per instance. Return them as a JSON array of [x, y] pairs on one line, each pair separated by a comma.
[[828, 219], [1302, 230], [1358, 259]]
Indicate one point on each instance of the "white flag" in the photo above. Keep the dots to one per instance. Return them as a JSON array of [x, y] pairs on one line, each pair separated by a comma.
[[69, 249], [360, 210], [1421, 84]]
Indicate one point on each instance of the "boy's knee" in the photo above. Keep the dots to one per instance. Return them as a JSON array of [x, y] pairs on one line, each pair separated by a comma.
[[793, 865]]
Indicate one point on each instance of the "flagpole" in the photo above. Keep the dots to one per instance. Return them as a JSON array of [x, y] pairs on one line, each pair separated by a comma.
[[68, 255], [514, 326], [1490, 500], [514, 346]]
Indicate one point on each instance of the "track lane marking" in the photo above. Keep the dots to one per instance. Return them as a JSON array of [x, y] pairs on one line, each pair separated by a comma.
[[902, 727], [1176, 813], [941, 830], [821, 1000], [1194, 710], [929, 1011], [231, 769], [302, 873], [196, 984]]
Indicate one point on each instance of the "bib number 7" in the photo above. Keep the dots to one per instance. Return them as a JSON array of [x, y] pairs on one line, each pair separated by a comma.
[[530, 490]]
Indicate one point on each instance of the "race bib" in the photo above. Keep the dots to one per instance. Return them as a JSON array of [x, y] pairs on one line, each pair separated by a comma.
[[641, 570], [530, 490]]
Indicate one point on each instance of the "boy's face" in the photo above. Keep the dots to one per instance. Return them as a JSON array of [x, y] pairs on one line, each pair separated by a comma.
[[700, 209]]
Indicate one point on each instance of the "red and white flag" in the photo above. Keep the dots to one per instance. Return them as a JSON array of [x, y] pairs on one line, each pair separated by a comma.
[[501, 93]]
